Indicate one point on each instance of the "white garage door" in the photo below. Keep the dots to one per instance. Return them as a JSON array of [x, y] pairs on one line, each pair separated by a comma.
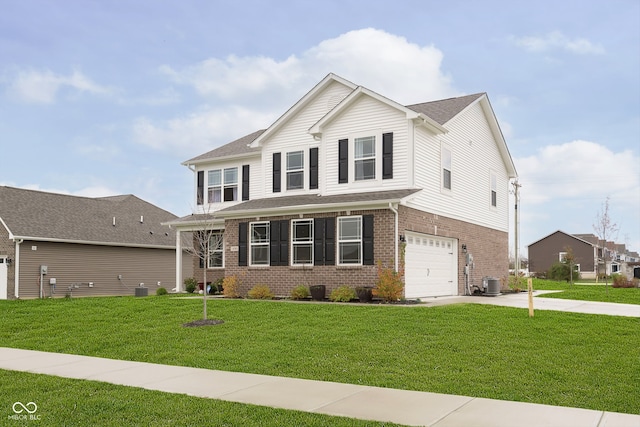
[[431, 264]]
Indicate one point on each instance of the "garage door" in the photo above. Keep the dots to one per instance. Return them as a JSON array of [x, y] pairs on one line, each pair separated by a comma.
[[431, 264]]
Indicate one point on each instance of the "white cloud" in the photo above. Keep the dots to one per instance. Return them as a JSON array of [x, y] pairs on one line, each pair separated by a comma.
[[251, 92], [579, 170], [200, 131], [42, 87], [557, 40]]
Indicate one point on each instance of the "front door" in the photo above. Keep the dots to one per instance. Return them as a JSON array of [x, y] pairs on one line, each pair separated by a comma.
[[3, 278]]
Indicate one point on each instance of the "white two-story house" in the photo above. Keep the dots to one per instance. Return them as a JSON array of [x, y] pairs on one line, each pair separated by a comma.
[[347, 179]]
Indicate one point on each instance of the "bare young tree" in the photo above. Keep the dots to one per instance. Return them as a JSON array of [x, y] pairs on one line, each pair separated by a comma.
[[604, 229], [206, 246]]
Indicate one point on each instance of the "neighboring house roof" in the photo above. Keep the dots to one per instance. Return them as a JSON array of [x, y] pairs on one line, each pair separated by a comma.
[[444, 110], [573, 236], [41, 216], [236, 148], [290, 204]]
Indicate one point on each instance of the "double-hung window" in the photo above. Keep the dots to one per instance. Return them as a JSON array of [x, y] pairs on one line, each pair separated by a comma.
[[222, 185], [302, 241], [216, 250], [446, 168], [350, 240], [295, 170], [259, 243], [494, 190], [365, 158]]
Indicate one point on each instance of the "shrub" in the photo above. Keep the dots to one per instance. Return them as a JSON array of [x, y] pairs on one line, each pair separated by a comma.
[[161, 291], [300, 292], [517, 283], [230, 286], [217, 285], [621, 281], [190, 284], [561, 271], [389, 285], [342, 294], [260, 292]]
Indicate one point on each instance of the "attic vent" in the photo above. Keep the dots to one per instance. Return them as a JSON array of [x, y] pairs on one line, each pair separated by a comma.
[[141, 219], [333, 101]]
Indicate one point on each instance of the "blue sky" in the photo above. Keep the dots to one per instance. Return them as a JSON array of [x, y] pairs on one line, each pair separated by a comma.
[[102, 98]]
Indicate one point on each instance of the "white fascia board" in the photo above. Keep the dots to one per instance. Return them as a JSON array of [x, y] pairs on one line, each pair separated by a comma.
[[6, 227], [215, 224], [499, 137], [329, 78], [214, 160]]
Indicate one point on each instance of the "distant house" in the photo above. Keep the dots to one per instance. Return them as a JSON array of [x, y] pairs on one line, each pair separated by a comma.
[[347, 178], [592, 255], [53, 244], [553, 248]]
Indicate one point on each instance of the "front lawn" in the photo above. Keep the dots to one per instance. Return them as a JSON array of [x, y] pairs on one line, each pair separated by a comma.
[[590, 292], [555, 358]]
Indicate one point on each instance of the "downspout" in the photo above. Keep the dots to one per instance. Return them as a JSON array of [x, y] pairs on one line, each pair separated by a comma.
[[16, 276], [178, 261], [395, 237]]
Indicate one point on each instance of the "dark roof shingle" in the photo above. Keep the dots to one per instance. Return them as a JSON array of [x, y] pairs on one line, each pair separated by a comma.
[[445, 109], [234, 148], [59, 217]]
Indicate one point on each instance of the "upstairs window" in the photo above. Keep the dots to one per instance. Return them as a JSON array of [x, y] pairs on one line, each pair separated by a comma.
[[446, 168], [494, 190], [365, 158], [222, 185], [295, 170]]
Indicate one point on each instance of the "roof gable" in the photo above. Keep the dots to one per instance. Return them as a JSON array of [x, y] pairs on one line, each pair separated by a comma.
[[37, 215], [237, 148], [443, 110], [572, 236]]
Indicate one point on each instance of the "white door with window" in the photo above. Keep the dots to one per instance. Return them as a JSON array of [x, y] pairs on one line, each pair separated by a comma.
[[431, 264], [3, 278]]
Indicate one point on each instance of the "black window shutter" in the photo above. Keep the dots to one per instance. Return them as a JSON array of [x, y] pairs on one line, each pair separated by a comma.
[[245, 182], [343, 161], [367, 239], [387, 155], [279, 242], [277, 168], [243, 233], [200, 192], [330, 241], [318, 241], [313, 168]]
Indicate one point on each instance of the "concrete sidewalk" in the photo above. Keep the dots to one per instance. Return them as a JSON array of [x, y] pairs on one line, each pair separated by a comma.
[[354, 401], [521, 300]]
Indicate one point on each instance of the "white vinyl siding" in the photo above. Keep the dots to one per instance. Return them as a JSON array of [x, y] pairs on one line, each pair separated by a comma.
[[471, 143], [365, 117]]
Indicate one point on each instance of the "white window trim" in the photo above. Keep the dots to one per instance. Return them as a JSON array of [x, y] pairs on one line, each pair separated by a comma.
[[377, 134], [301, 243], [221, 250], [252, 245], [445, 148], [338, 258], [303, 169], [562, 256], [223, 185], [493, 188]]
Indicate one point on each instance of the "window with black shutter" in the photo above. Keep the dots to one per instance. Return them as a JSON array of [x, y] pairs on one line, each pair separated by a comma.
[[324, 235], [245, 182], [343, 161], [243, 231], [200, 188], [313, 168], [387, 155], [367, 240], [279, 242], [277, 170]]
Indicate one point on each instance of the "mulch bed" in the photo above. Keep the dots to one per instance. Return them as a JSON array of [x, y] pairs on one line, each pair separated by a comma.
[[203, 322]]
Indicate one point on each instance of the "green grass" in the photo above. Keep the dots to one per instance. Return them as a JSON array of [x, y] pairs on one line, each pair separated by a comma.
[[591, 292], [69, 402], [567, 359]]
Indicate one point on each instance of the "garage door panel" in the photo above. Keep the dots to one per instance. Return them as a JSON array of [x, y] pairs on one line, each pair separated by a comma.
[[430, 266]]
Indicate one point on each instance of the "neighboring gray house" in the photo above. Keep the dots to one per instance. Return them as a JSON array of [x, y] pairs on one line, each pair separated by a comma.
[[347, 178], [88, 246], [550, 249]]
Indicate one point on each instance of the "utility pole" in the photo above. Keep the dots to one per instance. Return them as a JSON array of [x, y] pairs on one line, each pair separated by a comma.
[[516, 188]]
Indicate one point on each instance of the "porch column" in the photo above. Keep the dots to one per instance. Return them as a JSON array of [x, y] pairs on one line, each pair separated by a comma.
[[178, 262]]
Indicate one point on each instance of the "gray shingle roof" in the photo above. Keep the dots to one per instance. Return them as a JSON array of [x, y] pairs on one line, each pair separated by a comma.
[[445, 109], [234, 148], [59, 217]]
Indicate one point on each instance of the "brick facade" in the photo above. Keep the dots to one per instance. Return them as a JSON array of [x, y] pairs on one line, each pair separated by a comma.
[[489, 247]]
